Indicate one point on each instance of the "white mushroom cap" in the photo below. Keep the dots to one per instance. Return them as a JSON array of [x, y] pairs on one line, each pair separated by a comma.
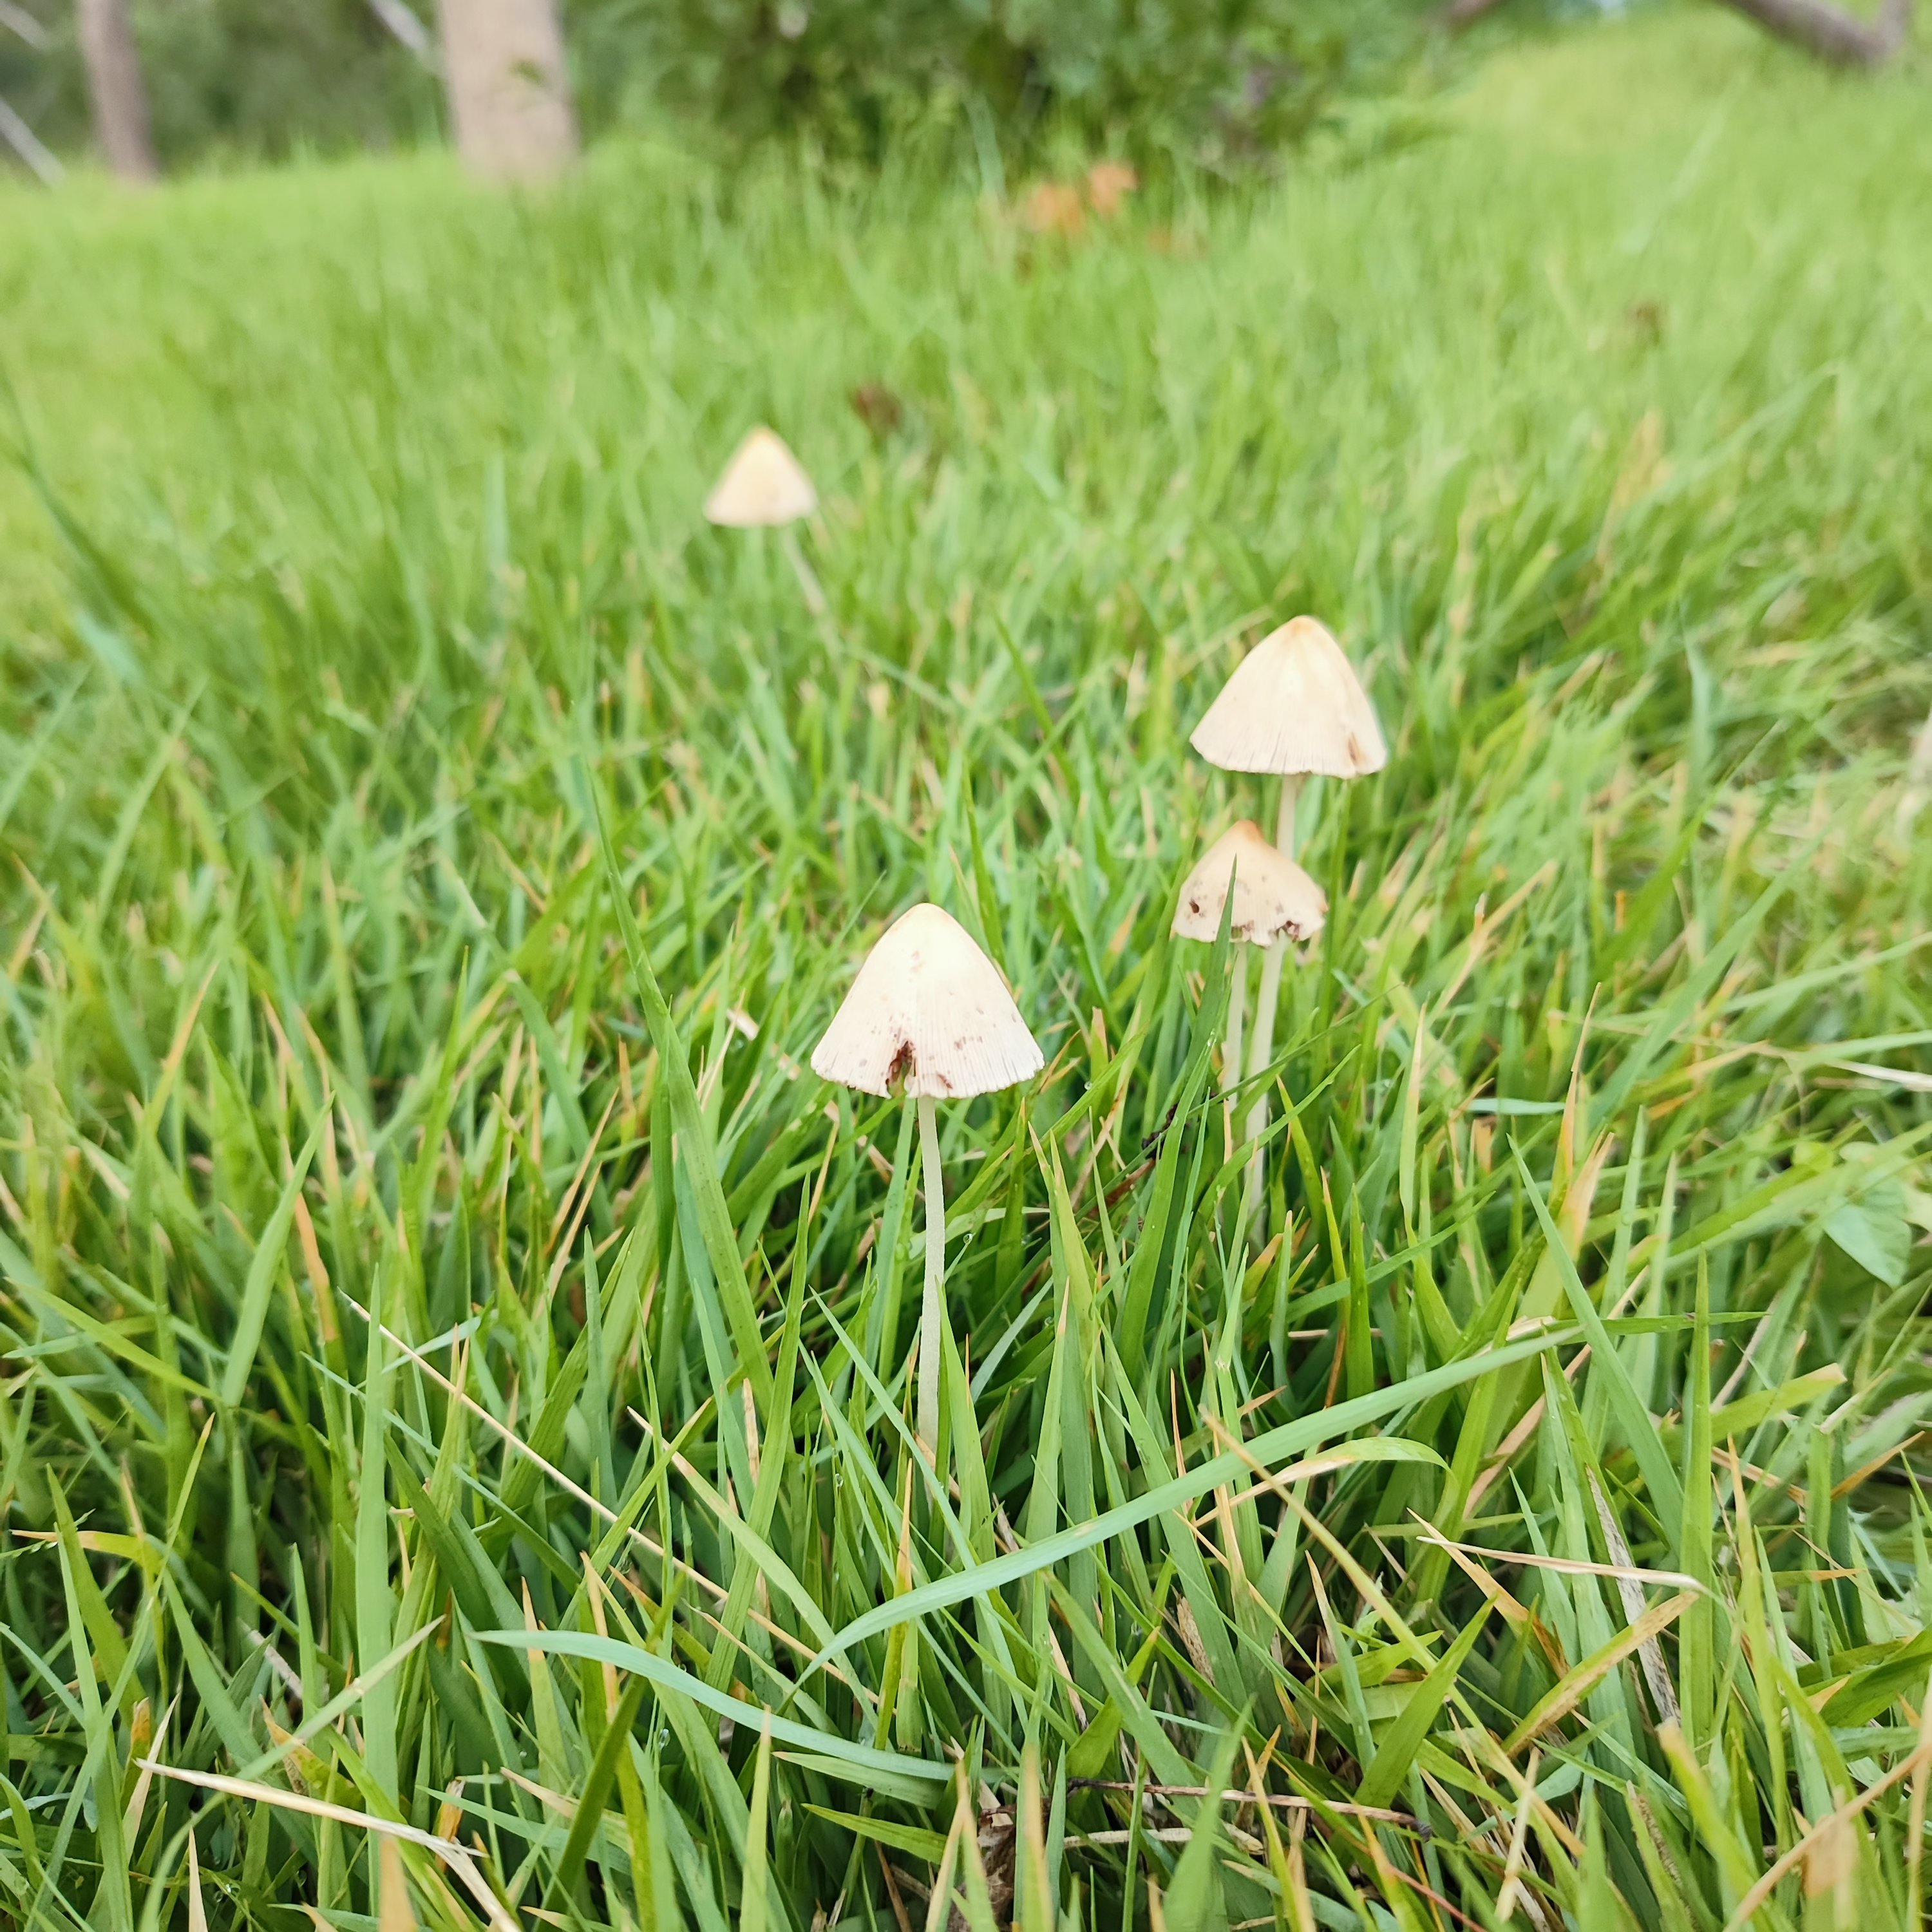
[[1273, 897], [930, 1012], [1293, 705], [763, 484]]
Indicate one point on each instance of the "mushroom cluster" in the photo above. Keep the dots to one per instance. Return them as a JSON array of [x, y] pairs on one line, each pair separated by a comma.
[[929, 1017], [1295, 709]]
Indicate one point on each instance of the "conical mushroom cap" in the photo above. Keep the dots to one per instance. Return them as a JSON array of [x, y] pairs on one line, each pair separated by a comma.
[[1294, 705], [1273, 897], [763, 484], [930, 1010]]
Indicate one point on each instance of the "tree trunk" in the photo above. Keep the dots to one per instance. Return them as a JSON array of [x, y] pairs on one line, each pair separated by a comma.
[[509, 94], [119, 95], [1843, 39]]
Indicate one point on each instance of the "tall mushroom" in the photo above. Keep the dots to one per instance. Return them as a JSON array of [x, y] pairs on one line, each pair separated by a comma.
[[1293, 708], [764, 487], [929, 1016], [1275, 901]]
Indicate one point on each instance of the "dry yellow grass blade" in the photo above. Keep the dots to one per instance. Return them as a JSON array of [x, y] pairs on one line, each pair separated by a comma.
[[1564, 1697], [197, 1911], [459, 1860], [1568, 1566], [1519, 1844], [395, 1913], [1828, 1838]]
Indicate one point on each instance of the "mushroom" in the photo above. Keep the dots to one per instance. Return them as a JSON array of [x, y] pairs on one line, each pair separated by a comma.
[[1274, 902], [764, 487], [1295, 708], [929, 1016]]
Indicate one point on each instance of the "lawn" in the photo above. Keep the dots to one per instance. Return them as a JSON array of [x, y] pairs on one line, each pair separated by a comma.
[[459, 1437]]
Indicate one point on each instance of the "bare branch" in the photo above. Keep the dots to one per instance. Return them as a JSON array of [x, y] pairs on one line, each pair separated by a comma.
[[22, 140], [24, 24], [401, 21], [1829, 32], [119, 94]]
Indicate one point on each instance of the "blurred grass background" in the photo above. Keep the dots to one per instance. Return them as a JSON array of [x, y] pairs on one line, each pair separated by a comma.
[[354, 565]]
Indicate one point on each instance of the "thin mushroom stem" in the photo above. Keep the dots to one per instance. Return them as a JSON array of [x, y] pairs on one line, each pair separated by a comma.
[[932, 1314], [807, 579], [1284, 824], [1262, 1051], [816, 607], [1231, 1045]]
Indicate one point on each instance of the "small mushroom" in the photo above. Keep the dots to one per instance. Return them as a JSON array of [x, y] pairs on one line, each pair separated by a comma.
[[929, 1016], [763, 486], [1273, 897], [1294, 708], [1273, 901]]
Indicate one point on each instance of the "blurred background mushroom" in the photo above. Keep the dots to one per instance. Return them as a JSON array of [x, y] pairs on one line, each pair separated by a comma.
[[765, 487]]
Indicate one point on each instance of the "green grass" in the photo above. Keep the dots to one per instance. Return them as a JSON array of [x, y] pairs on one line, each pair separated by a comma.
[[354, 569]]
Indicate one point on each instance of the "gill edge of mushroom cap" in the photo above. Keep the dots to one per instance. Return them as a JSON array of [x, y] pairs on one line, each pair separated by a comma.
[[1273, 897]]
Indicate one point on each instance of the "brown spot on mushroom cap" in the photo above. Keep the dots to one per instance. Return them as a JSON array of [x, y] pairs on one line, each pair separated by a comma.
[[1273, 897]]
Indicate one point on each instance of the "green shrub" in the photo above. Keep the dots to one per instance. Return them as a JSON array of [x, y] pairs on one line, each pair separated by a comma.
[[1221, 81]]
